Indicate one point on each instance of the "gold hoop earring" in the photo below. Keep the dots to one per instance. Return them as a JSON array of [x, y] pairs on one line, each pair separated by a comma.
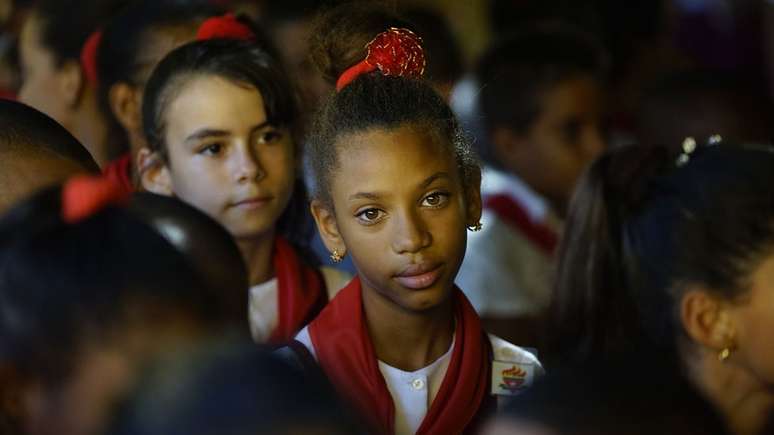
[[724, 354], [336, 257], [475, 228]]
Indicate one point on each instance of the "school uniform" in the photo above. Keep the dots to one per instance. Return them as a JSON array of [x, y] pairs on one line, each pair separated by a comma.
[[280, 307], [507, 266], [453, 394]]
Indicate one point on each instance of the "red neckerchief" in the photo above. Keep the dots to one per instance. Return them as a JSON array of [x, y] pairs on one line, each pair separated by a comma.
[[119, 171], [301, 292], [512, 212], [346, 355]]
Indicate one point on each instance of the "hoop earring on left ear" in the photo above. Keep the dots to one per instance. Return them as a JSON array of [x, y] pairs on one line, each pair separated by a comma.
[[475, 228]]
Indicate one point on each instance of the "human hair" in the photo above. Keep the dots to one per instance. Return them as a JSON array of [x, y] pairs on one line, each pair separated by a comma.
[[230, 387], [61, 282], [126, 37], [27, 131], [66, 24], [371, 100], [514, 73], [240, 62], [625, 396], [641, 229]]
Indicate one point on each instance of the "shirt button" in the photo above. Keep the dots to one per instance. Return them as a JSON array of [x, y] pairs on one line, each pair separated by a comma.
[[418, 384]]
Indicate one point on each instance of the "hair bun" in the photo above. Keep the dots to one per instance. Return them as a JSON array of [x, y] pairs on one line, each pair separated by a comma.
[[341, 35]]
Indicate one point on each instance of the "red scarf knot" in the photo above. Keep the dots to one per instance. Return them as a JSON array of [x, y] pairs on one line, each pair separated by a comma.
[[224, 27], [89, 57], [395, 52], [84, 195]]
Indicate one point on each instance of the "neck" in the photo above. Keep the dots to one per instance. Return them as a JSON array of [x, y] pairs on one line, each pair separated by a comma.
[[405, 339], [740, 396], [257, 253], [90, 128]]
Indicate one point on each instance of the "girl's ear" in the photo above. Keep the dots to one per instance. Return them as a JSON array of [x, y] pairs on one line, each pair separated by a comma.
[[707, 319], [473, 198], [329, 230], [71, 82], [154, 173], [125, 104]]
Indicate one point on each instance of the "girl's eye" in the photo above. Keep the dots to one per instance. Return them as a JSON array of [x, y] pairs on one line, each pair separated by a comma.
[[211, 149], [435, 200], [370, 216], [269, 136]]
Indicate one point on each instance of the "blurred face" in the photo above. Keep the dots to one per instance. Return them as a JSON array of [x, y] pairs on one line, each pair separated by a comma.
[[564, 139], [754, 322], [40, 75], [225, 158], [401, 211]]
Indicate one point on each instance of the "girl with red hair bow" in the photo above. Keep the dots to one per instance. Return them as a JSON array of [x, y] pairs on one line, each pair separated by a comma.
[[396, 186]]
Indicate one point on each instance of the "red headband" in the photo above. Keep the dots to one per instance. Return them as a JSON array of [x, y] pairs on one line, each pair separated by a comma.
[[396, 52], [224, 27], [89, 57], [84, 195]]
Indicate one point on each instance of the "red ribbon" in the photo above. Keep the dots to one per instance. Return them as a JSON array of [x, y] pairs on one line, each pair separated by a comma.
[[224, 27], [396, 52], [301, 292], [89, 57], [84, 195], [119, 171], [346, 355], [507, 209]]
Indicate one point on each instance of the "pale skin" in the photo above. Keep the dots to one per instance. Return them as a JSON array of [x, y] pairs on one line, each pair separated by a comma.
[[741, 386], [400, 210], [227, 160]]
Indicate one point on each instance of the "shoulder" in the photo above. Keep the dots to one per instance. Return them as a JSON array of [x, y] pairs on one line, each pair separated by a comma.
[[335, 280], [505, 351]]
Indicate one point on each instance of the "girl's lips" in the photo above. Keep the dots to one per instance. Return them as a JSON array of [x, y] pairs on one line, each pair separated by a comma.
[[419, 277], [252, 203]]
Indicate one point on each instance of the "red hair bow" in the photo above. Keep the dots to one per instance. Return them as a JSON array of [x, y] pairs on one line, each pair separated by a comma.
[[89, 57], [84, 195], [396, 52], [224, 27]]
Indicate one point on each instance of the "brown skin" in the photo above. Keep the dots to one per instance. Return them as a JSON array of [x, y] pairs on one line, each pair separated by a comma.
[[742, 386], [566, 136], [399, 203], [62, 93], [23, 174]]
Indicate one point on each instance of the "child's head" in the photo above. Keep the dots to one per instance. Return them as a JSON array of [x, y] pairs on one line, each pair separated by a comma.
[[675, 256], [50, 47], [35, 152], [395, 183], [132, 43], [541, 100], [220, 117], [83, 303]]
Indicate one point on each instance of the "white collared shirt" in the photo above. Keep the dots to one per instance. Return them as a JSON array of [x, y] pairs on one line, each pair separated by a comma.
[[504, 274], [263, 304], [413, 392]]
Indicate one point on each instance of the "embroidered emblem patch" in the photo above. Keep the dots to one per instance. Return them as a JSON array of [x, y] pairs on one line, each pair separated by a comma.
[[508, 378]]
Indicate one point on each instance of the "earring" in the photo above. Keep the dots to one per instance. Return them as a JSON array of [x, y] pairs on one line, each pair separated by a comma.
[[724, 354], [335, 256], [475, 228]]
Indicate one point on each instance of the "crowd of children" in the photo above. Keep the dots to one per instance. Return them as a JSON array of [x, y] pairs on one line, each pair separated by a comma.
[[172, 170]]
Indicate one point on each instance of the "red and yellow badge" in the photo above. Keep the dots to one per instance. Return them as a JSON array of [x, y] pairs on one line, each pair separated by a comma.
[[509, 378]]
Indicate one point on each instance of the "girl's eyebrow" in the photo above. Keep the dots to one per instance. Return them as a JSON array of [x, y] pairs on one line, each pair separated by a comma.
[[204, 133], [376, 195]]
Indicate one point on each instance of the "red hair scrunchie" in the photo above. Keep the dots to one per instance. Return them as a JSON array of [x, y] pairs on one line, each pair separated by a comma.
[[89, 57], [84, 195], [224, 27], [395, 52]]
